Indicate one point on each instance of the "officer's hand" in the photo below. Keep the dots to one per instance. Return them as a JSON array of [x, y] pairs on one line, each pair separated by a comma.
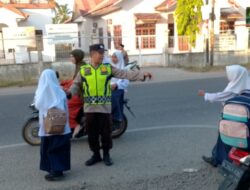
[[147, 75], [201, 93], [114, 86]]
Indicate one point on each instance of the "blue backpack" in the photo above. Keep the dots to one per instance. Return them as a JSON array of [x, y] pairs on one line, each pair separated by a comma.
[[235, 121]]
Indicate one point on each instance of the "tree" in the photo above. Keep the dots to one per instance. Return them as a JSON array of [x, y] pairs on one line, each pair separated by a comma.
[[62, 13], [188, 17]]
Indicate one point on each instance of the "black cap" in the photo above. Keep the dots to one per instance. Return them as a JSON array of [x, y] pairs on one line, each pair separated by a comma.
[[97, 47]]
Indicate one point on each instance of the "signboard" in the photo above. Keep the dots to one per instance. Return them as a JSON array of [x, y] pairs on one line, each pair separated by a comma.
[[225, 42], [19, 36], [62, 33]]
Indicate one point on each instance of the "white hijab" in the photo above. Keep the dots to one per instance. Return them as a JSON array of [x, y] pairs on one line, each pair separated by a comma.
[[122, 83], [49, 93], [120, 64], [238, 79]]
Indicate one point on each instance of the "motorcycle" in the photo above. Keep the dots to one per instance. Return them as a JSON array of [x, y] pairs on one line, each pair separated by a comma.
[[237, 172], [234, 131], [132, 66], [31, 126]]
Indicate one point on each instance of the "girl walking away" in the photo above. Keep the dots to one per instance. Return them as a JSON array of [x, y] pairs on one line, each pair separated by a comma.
[[118, 87], [238, 81], [55, 148]]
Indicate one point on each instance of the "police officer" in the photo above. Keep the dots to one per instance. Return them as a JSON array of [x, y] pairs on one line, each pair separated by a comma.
[[93, 80]]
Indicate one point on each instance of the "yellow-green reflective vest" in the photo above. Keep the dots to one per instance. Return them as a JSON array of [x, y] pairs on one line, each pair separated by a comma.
[[96, 84]]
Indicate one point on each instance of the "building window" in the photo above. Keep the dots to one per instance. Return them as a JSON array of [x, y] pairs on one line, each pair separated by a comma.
[[109, 37], [100, 33], [248, 38], [117, 36], [170, 35], [183, 43], [146, 32], [227, 27]]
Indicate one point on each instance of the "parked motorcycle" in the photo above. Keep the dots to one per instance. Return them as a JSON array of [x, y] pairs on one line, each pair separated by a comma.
[[31, 127]]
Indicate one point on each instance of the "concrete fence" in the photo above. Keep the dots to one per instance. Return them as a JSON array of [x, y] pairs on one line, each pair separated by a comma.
[[31, 71], [199, 59]]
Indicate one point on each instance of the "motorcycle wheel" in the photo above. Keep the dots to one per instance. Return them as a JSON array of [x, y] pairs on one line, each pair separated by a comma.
[[245, 183], [119, 132], [227, 185], [30, 132]]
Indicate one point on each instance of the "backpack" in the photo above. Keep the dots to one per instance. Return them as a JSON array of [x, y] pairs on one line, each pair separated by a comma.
[[55, 121], [235, 121]]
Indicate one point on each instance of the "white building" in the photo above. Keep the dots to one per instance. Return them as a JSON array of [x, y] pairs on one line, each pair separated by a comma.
[[148, 28], [136, 24], [15, 16]]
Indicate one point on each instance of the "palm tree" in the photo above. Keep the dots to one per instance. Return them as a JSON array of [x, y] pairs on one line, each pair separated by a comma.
[[62, 13]]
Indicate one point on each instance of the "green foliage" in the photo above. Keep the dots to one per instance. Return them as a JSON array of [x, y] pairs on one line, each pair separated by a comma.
[[188, 17], [248, 12], [248, 15], [62, 13]]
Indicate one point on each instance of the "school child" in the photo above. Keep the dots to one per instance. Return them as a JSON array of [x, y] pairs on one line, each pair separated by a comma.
[[238, 80], [54, 149], [118, 87]]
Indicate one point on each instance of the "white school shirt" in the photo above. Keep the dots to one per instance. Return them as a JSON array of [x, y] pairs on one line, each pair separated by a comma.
[[219, 96]]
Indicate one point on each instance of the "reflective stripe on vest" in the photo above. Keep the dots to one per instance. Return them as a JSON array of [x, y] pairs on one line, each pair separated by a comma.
[[96, 84]]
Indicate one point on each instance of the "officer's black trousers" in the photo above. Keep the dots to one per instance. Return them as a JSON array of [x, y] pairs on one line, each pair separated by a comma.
[[99, 125]]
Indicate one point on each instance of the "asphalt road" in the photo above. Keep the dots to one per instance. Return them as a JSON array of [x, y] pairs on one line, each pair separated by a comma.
[[172, 129]]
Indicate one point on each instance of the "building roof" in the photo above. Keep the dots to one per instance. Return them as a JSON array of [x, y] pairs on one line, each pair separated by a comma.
[[34, 6], [11, 8], [231, 14], [22, 5], [234, 3], [166, 6], [94, 7], [105, 4], [147, 16]]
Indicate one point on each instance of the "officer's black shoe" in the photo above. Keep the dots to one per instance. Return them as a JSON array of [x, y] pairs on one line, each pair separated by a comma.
[[107, 160], [210, 160], [94, 159]]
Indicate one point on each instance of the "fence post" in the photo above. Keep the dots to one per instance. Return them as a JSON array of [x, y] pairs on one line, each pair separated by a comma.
[[165, 49], [140, 56], [40, 61]]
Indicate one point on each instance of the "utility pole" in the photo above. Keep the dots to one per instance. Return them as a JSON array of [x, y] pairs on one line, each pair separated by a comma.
[[212, 18], [207, 38]]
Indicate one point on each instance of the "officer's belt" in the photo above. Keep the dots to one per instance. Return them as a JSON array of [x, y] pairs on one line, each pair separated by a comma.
[[97, 99]]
